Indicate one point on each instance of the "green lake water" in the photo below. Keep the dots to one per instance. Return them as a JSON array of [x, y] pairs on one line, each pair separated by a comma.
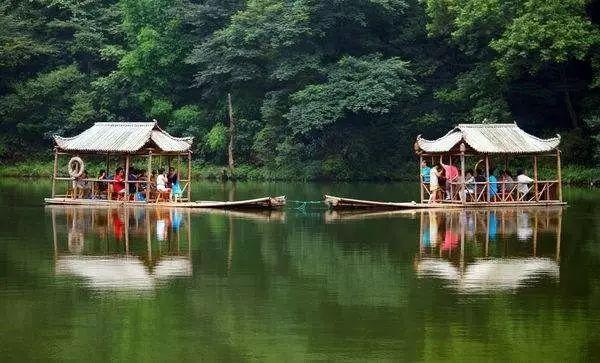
[[299, 284]]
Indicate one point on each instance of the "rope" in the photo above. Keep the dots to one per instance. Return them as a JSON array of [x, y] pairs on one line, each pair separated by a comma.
[[303, 203]]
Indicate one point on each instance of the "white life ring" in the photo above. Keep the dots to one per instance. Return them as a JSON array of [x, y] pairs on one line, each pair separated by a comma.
[[76, 167]]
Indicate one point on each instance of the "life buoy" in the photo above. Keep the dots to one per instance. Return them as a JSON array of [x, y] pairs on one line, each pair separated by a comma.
[[76, 167]]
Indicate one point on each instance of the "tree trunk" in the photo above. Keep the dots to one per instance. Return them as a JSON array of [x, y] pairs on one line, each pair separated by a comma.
[[571, 110], [231, 135]]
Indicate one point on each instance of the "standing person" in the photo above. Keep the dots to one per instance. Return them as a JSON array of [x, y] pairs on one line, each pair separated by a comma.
[[161, 184], [425, 170], [523, 182], [173, 178], [493, 185], [469, 184], [507, 183], [434, 187], [451, 173], [479, 181]]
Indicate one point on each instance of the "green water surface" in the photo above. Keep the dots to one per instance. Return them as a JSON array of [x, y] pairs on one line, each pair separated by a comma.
[[80, 284]]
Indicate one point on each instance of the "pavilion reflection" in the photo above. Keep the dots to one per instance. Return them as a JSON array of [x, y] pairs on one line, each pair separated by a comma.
[[490, 250], [121, 248]]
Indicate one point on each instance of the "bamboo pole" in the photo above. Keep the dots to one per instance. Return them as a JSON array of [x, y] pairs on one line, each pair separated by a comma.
[[463, 186], [421, 186], [55, 170], [559, 172], [127, 177], [148, 176]]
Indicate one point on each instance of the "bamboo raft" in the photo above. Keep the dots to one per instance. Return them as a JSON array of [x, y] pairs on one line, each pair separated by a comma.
[[258, 203], [339, 203]]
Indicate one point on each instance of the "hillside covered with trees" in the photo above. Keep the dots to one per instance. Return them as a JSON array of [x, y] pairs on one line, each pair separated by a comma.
[[336, 88]]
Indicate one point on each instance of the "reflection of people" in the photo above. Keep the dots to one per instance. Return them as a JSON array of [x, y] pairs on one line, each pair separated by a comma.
[[493, 225], [118, 225], [524, 230], [433, 229], [176, 219], [161, 229]]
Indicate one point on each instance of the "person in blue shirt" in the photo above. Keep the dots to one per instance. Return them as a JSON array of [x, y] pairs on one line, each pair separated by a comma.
[[493, 185], [425, 170]]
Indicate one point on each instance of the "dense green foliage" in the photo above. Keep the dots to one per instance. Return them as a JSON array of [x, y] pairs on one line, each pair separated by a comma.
[[333, 89]]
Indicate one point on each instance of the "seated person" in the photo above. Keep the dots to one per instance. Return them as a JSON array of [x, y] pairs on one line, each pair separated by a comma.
[[161, 184], [469, 184], [132, 177], [102, 187], [81, 187]]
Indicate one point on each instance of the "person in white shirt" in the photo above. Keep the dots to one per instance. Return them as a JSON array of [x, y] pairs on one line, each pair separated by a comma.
[[161, 184], [523, 182], [434, 186]]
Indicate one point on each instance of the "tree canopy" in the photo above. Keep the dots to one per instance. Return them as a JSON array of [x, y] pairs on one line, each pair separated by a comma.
[[320, 88]]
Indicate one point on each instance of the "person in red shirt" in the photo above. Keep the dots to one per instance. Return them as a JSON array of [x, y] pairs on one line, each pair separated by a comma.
[[451, 177], [119, 183]]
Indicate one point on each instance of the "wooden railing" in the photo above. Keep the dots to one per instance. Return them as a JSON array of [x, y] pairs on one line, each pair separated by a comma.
[[506, 192]]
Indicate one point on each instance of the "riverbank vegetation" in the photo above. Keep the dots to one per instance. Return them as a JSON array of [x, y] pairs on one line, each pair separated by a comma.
[[321, 89]]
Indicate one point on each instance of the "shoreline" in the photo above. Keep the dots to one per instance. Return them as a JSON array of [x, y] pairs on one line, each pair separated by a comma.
[[573, 175]]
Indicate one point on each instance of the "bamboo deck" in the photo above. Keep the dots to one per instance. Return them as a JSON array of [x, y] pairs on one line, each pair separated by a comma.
[[258, 203], [338, 203]]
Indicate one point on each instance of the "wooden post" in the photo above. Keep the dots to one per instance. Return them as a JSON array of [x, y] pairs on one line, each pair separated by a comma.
[[231, 135], [421, 186], [148, 176], [55, 170], [559, 172], [127, 177], [535, 178], [463, 186], [189, 176], [487, 177]]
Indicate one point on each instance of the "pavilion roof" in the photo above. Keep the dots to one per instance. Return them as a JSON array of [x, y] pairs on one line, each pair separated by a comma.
[[123, 137], [489, 139]]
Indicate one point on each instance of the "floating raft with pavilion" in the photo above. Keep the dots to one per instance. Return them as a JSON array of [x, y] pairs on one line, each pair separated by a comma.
[[129, 142], [484, 144]]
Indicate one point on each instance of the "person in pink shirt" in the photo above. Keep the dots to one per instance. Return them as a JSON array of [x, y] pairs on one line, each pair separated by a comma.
[[451, 177]]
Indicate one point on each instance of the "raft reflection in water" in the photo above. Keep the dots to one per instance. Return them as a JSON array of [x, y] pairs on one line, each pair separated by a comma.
[[490, 250], [121, 248]]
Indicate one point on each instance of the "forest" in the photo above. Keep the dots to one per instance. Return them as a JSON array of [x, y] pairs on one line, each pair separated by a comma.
[[335, 89]]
